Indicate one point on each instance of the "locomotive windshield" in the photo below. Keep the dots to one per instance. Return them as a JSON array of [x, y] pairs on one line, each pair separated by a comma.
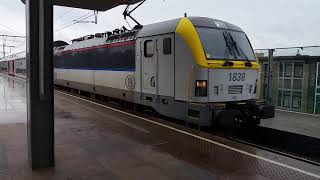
[[225, 44]]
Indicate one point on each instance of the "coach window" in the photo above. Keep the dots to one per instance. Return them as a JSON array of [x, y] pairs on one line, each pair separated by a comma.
[[167, 46], [148, 48]]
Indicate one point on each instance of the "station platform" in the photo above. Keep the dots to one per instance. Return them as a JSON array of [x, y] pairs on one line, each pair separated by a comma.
[[298, 123], [12, 101], [94, 142]]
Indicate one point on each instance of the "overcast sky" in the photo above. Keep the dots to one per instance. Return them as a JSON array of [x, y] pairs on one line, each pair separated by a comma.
[[268, 23]]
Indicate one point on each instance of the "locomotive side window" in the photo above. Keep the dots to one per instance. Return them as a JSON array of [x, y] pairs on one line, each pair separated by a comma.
[[167, 46], [148, 48]]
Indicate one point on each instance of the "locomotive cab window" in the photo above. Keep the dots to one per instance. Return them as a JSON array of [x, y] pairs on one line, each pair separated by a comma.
[[148, 48], [167, 46], [220, 49]]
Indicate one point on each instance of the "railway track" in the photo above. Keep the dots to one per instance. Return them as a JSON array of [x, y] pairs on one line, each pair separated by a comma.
[[278, 151], [296, 146]]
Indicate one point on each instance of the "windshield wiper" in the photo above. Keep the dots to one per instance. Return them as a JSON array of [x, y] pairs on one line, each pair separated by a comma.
[[228, 47], [239, 50]]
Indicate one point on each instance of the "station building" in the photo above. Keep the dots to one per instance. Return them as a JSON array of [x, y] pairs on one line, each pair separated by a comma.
[[294, 83]]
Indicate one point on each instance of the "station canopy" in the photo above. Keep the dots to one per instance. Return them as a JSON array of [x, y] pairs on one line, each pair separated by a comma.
[[100, 5]]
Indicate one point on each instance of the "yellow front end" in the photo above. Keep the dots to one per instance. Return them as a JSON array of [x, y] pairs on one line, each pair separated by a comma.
[[221, 86]]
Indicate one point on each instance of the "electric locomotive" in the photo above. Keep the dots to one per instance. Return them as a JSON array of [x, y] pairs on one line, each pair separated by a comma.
[[196, 69]]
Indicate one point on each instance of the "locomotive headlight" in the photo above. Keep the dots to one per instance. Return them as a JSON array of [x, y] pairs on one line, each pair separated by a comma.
[[201, 84], [201, 88]]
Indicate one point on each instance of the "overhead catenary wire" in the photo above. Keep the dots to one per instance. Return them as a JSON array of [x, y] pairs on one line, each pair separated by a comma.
[[11, 36], [296, 47], [20, 45], [7, 27], [65, 24], [75, 22], [64, 14], [13, 42]]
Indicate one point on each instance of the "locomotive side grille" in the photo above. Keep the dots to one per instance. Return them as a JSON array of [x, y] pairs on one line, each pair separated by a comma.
[[235, 89], [216, 90]]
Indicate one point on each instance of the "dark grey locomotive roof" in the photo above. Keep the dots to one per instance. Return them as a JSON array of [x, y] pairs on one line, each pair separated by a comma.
[[166, 27], [159, 28], [213, 23]]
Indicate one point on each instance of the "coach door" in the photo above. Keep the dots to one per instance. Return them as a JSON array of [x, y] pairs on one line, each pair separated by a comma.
[[165, 71], [11, 67], [157, 75], [149, 67]]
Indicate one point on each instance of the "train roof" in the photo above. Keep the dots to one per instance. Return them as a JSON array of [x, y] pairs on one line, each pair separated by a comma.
[[99, 39], [166, 27], [213, 23], [16, 56]]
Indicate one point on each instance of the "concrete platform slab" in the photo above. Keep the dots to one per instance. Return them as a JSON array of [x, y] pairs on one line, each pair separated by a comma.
[[304, 124]]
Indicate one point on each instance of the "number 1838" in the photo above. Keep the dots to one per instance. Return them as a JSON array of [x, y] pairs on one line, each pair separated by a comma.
[[237, 76]]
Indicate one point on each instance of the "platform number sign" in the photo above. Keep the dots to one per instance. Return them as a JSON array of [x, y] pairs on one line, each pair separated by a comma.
[[237, 76], [130, 82]]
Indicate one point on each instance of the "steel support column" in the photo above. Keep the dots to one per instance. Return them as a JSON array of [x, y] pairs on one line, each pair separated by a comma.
[[317, 88], [40, 83], [269, 76]]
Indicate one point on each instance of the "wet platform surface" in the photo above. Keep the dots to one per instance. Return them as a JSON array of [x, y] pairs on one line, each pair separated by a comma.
[[94, 142], [12, 101], [304, 124]]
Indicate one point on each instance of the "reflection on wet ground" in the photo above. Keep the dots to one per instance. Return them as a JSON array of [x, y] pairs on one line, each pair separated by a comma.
[[12, 101]]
